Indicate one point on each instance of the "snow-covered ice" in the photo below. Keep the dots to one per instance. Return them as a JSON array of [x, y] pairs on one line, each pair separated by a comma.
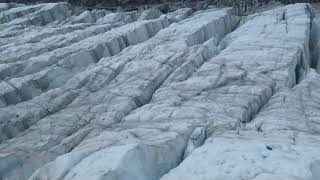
[[149, 95]]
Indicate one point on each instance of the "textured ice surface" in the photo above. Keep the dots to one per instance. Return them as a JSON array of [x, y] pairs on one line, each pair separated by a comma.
[[145, 95], [280, 137], [252, 155]]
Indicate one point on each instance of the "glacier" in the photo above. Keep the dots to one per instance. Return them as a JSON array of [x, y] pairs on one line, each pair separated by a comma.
[[149, 95]]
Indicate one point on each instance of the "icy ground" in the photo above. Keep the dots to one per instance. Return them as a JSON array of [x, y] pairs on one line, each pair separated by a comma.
[[142, 95]]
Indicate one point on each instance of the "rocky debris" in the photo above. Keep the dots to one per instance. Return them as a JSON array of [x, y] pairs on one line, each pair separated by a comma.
[[150, 95], [244, 7]]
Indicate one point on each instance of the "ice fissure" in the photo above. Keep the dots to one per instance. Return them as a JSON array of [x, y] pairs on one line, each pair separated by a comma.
[[144, 95]]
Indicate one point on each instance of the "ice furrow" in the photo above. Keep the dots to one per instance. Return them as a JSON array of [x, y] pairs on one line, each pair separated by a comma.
[[38, 112], [67, 37], [7, 6], [8, 15], [48, 13], [314, 38], [148, 96], [78, 58], [296, 109], [119, 84], [232, 153], [36, 34]]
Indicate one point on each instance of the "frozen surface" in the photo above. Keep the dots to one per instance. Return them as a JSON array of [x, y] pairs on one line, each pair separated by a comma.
[[253, 155], [278, 139], [145, 95]]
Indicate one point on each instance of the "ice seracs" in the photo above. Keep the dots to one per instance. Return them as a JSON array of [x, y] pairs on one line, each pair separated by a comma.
[[149, 95], [278, 140]]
